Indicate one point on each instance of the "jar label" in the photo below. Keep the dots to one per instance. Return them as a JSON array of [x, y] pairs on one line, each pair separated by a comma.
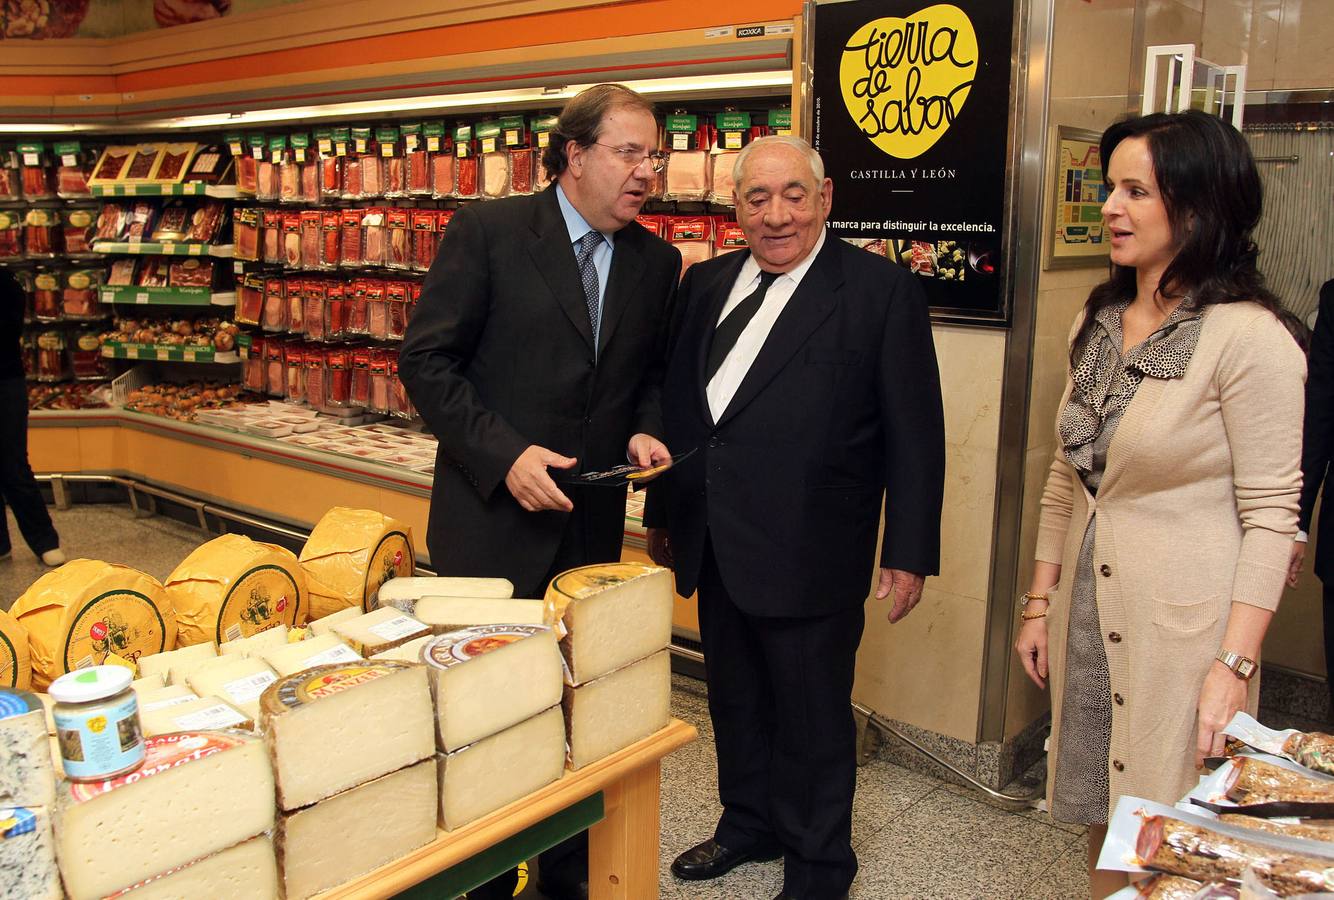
[[99, 740]]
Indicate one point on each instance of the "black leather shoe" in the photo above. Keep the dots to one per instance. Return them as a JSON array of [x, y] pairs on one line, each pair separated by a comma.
[[711, 859], [784, 895]]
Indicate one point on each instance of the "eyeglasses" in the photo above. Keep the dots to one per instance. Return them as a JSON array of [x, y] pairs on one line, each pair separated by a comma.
[[633, 156]]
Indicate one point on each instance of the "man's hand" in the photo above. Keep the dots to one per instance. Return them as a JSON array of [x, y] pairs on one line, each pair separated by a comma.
[[907, 590], [530, 484], [645, 450], [660, 547], [1295, 561]]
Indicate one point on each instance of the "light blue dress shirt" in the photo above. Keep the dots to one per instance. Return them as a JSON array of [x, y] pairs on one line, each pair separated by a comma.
[[578, 227]]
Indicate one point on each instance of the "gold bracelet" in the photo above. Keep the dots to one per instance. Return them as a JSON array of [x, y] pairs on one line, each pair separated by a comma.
[[1029, 595], [1028, 616]]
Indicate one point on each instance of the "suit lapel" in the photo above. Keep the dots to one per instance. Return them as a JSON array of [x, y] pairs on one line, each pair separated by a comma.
[[554, 257], [810, 305], [627, 269], [715, 298]]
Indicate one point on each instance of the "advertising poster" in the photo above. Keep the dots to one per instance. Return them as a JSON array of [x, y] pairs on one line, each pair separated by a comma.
[[910, 111], [1075, 234]]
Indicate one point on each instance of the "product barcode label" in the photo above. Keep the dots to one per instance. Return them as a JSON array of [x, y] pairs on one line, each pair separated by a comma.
[[233, 632], [243, 690], [340, 654], [86, 663], [174, 701], [220, 716], [681, 141], [140, 297], [397, 627]]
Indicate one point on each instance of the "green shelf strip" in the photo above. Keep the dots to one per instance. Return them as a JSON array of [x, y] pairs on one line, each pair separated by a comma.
[[187, 189], [166, 296], [507, 854], [166, 353], [164, 248]]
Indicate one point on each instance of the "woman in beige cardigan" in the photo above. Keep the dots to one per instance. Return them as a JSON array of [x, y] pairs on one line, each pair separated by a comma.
[[1171, 505]]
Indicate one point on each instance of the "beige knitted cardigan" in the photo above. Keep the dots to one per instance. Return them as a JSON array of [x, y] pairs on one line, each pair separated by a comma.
[[1197, 510]]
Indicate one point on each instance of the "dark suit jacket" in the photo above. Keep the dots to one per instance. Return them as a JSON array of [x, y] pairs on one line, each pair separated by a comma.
[[499, 355], [840, 409], [1318, 433]]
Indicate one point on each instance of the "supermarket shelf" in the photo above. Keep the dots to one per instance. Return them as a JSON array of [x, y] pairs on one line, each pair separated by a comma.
[[167, 353], [164, 248], [166, 296], [189, 189]]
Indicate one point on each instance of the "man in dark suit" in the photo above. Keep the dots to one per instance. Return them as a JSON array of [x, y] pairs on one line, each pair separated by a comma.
[[538, 343], [804, 372], [1317, 449]]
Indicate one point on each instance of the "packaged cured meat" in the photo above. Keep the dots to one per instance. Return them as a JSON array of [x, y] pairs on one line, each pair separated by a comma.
[[191, 272], [329, 225], [1193, 851], [396, 177], [351, 250], [245, 234], [11, 235], [721, 184], [442, 175], [80, 296], [86, 362], [252, 375], [495, 174], [11, 185], [1311, 749], [379, 382], [46, 295], [419, 173], [34, 171], [74, 165], [1310, 829], [51, 357], [275, 373], [466, 178], [314, 386], [336, 292], [173, 222], [152, 272], [315, 318], [123, 272], [687, 176], [331, 177], [693, 236], [372, 176], [398, 251], [143, 163], [41, 233], [399, 403], [294, 371], [310, 182], [361, 377], [296, 306], [1253, 782], [292, 240], [423, 239], [79, 230], [111, 164], [311, 238], [250, 299], [521, 171], [289, 182], [338, 379], [111, 222], [377, 309], [174, 162], [247, 175], [271, 224], [396, 297], [374, 236], [206, 221], [140, 225], [275, 305], [266, 181], [211, 165], [358, 321], [729, 237], [352, 187]]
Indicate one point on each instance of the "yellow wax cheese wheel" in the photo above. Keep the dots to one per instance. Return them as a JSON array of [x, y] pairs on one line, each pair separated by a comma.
[[349, 554], [87, 609], [233, 587], [15, 670]]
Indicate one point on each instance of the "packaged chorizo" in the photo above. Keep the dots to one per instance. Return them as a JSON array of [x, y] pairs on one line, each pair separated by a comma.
[[41, 233], [521, 171], [291, 240], [466, 178], [377, 309], [423, 239], [398, 249], [312, 222], [35, 172], [350, 242], [331, 221], [396, 299], [11, 234]]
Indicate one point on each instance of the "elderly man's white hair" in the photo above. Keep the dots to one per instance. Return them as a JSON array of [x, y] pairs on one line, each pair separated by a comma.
[[796, 143]]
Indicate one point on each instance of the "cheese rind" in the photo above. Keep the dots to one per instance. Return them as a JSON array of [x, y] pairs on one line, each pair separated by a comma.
[[175, 665], [239, 681], [349, 554], [481, 778], [248, 871], [381, 630], [26, 776], [15, 664], [327, 649], [198, 714], [232, 587], [403, 593], [197, 793], [325, 625], [256, 643], [443, 614], [612, 712], [491, 677], [351, 833], [360, 720], [611, 615], [28, 854]]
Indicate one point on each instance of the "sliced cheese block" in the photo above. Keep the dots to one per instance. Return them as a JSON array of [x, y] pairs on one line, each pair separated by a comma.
[[233, 587], [47, 706], [409, 652], [381, 630], [610, 615], [349, 554], [351, 833], [324, 650], [26, 778], [325, 625], [15, 667], [452, 613], [148, 683], [28, 855], [482, 777], [239, 681], [197, 793], [256, 643], [182, 661], [171, 695], [85, 610], [612, 712], [403, 593], [248, 871], [197, 714], [359, 720], [491, 677]]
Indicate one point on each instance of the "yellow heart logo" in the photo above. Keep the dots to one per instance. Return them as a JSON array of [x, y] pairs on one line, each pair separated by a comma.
[[905, 80]]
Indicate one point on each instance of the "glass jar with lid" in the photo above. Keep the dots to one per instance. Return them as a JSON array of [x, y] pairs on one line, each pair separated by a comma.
[[97, 723]]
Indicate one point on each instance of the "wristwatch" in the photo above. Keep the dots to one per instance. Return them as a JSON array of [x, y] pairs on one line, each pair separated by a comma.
[[1242, 666]]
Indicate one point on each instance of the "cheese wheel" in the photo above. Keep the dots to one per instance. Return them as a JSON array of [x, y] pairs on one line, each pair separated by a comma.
[[86, 610], [232, 587], [15, 670], [349, 554]]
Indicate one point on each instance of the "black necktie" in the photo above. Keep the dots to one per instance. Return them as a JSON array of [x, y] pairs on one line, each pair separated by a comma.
[[729, 329]]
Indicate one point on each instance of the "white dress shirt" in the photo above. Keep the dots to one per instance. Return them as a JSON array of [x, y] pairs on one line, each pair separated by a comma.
[[727, 379]]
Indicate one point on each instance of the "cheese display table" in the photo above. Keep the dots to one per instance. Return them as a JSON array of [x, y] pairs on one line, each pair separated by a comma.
[[617, 796]]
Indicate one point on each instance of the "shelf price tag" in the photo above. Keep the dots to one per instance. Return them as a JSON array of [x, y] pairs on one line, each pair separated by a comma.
[[361, 140], [682, 129], [141, 297], [489, 134], [235, 142], [412, 133], [32, 153], [300, 145], [108, 351], [324, 141], [463, 140], [188, 355], [168, 248], [342, 139], [129, 190], [515, 134], [163, 354], [434, 133], [780, 120], [68, 151], [387, 138], [542, 127]]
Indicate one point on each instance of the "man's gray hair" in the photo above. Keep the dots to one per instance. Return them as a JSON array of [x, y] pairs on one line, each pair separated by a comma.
[[789, 140]]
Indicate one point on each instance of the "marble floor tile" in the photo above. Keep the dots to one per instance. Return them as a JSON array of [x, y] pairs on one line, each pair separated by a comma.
[[1067, 877]]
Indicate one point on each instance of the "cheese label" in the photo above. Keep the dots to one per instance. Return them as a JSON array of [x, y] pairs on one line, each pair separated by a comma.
[[458, 647], [340, 654], [260, 599], [306, 687], [219, 715], [16, 821], [9, 658], [392, 558], [170, 701], [162, 753], [17, 703], [395, 628], [124, 623], [243, 690]]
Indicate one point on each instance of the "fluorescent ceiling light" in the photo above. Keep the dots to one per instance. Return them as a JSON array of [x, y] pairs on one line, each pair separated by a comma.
[[35, 127]]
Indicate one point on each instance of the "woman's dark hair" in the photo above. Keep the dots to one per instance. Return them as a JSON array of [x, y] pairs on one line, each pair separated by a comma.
[[1213, 196], [581, 121]]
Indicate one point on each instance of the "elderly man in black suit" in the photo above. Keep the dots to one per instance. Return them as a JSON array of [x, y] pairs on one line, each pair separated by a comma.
[[538, 344], [804, 372]]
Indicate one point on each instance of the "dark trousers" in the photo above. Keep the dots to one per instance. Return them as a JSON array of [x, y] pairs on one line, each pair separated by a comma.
[[1328, 596], [18, 488], [780, 697]]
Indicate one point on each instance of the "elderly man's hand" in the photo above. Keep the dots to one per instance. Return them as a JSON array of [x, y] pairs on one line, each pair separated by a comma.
[[906, 588]]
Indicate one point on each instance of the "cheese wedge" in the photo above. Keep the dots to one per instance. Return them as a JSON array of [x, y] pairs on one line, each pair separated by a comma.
[[28, 854], [359, 720], [378, 631], [175, 665], [325, 625], [199, 714], [612, 712], [238, 681], [482, 777], [610, 615], [15, 665], [148, 683], [444, 614], [172, 695], [324, 650], [26, 778], [248, 871], [197, 793], [256, 643], [491, 677], [403, 593], [351, 833], [409, 652]]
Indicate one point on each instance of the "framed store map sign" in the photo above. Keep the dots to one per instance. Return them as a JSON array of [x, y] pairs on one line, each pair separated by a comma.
[[910, 109], [1075, 234]]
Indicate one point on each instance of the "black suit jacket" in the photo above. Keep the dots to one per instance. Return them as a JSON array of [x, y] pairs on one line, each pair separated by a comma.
[[1318, 433], [499, 355], [840, 409]]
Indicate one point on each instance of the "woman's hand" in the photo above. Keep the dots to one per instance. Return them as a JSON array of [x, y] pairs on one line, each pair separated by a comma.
[[1031, 646], [1221, 696]]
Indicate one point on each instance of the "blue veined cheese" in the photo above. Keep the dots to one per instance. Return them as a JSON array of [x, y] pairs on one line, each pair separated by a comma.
[[609, 615], [27, 854], [612, 712], [26, 775]]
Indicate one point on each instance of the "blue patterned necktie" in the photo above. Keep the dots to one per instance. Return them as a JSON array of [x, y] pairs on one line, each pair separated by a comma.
[[588, 274]]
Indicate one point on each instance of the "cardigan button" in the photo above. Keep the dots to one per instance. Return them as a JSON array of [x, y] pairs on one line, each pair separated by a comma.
[[1120, 701], [1114, 637], [1106, 570], [1118, 765]]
